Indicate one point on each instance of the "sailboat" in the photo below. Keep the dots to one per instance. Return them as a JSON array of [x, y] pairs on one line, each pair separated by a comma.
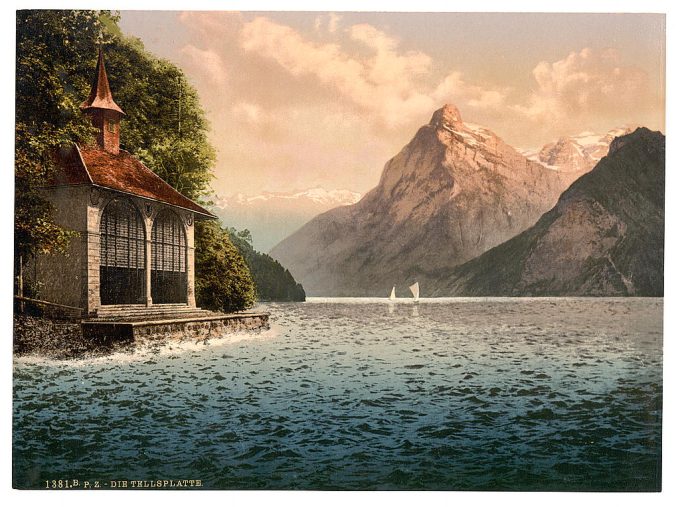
[[415, 290], [392, 295]]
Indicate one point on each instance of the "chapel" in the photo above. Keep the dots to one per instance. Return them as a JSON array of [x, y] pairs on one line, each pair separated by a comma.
[[135, 233]]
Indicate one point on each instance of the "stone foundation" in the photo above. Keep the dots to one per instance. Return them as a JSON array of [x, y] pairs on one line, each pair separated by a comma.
[[60, 339], [103, 332]]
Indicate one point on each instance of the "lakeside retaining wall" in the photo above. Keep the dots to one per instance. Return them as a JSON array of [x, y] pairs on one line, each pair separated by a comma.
[[42, 336], [104, 332]]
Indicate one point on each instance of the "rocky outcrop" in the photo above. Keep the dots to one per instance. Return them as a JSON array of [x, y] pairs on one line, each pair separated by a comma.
[[452, 193], [605, 236]]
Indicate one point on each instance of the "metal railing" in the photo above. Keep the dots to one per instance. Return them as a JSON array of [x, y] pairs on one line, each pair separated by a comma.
[[39, 308]]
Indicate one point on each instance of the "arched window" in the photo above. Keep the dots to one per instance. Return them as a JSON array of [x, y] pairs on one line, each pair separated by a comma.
[[168, 259], [121, 255]]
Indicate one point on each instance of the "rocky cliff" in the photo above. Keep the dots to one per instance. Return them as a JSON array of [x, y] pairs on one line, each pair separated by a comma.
[[452, 193], [603, 238]]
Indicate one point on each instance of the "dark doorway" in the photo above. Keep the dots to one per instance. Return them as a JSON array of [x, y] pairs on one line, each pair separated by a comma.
[[122, 260], [168, 260]]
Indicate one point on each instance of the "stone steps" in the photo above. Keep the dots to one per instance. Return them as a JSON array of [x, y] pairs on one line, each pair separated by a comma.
[[144, 313], [151, 317], [140, 307]]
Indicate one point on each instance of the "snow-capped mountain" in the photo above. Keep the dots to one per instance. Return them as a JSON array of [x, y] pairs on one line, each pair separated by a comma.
[[454, 191], [316, 195], [271, 216], [577, 153], [589, 244]]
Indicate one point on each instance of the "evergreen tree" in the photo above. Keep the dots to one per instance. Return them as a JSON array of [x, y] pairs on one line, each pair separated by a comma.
[[272, 281], [223, 281]]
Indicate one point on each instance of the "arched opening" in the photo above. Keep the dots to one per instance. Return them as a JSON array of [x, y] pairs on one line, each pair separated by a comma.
[[121, 255], [168, 260]]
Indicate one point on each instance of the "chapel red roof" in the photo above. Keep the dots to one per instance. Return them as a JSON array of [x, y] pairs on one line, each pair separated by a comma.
[[100, 95], [122, 172]]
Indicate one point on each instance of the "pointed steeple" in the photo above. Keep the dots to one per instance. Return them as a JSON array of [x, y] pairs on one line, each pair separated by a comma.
[[100, 95], [103, 111]]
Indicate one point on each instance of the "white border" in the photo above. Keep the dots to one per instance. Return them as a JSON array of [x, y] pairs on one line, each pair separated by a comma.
[[671, 449]]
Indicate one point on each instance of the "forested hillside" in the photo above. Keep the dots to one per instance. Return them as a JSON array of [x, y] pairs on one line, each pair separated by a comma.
[[273, 282]]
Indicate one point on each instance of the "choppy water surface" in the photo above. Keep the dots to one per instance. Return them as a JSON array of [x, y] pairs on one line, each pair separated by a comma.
[[530, 394]]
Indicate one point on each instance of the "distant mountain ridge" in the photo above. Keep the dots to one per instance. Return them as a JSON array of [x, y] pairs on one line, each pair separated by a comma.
[[454, 191], [271, 216], [604, 237], [577, 153], [336, 197]]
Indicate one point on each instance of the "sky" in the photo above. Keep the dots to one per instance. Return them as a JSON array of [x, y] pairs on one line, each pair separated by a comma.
[[638, 41], [298, 100]]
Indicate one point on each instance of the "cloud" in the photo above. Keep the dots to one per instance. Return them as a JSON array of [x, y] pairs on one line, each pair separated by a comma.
[[208, 61], [251, 113], [387, 65], [585, 82], [388, 85], [328, 22], [355, 79], [326, 104], [208, 24], [456, 90]]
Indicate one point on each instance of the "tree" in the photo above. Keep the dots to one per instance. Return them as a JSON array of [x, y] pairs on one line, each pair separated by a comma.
[[165, 125], [272, 281], [47, 117], [223, 281]]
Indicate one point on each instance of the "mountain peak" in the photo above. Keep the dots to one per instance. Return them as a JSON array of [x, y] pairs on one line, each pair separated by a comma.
[[621, 140], [579, 153], [604, 237], [446, 115], [454, 191]]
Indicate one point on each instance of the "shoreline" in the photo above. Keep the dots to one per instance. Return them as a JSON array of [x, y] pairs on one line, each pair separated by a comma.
[[55, 339]]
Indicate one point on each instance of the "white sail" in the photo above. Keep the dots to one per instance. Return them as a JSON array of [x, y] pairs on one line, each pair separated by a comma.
[[415, 290], [392, 295]]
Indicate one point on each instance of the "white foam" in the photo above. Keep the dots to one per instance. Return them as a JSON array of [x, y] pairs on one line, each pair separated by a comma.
[[146, 349]]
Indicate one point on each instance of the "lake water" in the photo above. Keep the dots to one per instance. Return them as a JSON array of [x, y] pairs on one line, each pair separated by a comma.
[[469, 394]]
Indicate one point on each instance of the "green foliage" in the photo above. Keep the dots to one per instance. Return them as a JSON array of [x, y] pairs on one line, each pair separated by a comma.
[[272, 281], [47, 116], [223, 282], [165, 125]]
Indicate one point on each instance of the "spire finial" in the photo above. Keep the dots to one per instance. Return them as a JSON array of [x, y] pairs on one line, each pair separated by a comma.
[[100, 94], [103, 110]]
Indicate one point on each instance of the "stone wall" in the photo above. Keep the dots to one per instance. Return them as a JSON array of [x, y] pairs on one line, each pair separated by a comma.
[[175, 329], [62, 278], [72, 278], [202, 329], [62, 340]]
